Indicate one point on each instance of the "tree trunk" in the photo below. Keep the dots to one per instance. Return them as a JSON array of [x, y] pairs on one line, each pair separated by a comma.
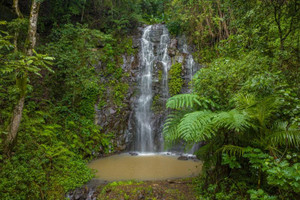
[[18, 110], [32, 27], [17, 9], [14, 125], [82, 12], [19, 14]]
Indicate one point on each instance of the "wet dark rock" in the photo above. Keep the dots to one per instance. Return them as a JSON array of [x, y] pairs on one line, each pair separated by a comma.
[[156, 33], [133, 153], [182, 158], [86, 192], [122, 147], [136, 42], [191, 157], [172, 52], [173, 44]]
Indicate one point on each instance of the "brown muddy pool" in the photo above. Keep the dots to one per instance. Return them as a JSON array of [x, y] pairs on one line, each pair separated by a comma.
[[144, 167]]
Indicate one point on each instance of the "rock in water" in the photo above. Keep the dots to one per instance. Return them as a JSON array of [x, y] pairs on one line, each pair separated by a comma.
[[182, 158]]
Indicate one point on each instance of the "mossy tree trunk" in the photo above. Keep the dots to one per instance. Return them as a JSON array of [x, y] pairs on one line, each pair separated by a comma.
[[22, 80]]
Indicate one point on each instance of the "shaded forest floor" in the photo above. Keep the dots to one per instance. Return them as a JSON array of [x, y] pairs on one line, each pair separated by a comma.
[[180, 189]]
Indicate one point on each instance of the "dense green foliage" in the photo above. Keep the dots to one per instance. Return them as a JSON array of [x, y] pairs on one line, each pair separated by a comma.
[[245, 101], [62, 82]]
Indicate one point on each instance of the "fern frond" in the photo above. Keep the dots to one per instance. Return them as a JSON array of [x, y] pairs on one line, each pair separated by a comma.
[[183, 101], [170, 127], [232, 120], [282, 135], [264, 109], [196, 126], [244, 101], [232, 150]]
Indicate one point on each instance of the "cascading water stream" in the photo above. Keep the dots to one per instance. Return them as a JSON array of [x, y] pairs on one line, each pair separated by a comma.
[[154, 50], [165, 60], [143, 113], [190, 66], [154, 65]]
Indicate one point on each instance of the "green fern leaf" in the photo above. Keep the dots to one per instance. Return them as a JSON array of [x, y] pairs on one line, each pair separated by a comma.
[[232, 150], [183, 101], [284, 135], [170, 127], [196, 126], [232, 120], [244, 101]]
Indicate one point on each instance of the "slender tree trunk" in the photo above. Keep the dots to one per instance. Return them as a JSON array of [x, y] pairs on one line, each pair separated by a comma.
[[17, 9], [14, 125], [19, 14], [82, 13], [18, 110], [32, 27], [222, 23]]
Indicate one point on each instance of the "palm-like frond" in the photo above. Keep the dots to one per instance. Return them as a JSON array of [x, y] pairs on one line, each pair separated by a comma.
[[284, 135], [170, 127], [196, 126], [244, 101], [233, 120], [232, 150], [183, 101], [264, 109]]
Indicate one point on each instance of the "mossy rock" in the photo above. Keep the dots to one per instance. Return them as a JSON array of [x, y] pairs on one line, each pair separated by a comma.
[[175, 79]]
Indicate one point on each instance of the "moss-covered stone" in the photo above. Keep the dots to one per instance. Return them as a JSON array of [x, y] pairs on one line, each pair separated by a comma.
[[156, 104], [160, 74], [175, 79]]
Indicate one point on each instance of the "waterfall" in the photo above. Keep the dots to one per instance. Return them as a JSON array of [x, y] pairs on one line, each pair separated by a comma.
[[157, 54], [144, 136], [165, 61], [154, 51], [190, 63]]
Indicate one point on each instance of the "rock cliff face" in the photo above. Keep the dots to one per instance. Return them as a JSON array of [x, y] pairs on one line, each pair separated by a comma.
[[124, 122]]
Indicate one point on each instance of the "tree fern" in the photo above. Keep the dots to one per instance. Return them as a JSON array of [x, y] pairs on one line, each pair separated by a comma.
[[264, 109], [232, 150], [170, 127], [196, 126], [233, 120], [284, 135], [244, 101], [183, 101]]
